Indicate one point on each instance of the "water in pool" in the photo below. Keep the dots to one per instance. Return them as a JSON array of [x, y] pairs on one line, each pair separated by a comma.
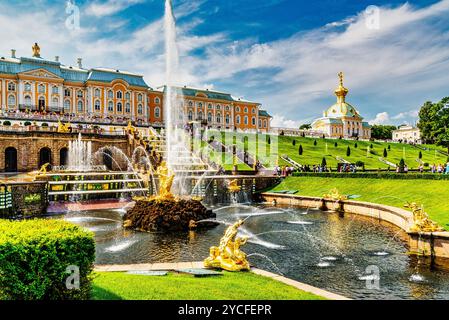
[[339, 254]]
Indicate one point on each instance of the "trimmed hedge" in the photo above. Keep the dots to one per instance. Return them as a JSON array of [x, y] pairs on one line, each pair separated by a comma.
[[375, 175], [35, 255]]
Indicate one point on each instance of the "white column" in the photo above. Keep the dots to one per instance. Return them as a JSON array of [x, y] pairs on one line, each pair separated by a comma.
[[61, 97], [4, 102], [105, 102], [90, 97], [20, 90], [133, 113], [33, 93]]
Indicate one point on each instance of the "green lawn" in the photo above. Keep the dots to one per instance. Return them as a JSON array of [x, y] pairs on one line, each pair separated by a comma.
[[326, 148], [230, 286], [433, 194]]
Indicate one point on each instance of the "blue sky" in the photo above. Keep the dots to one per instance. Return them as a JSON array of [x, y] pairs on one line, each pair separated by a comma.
[[284, 54]]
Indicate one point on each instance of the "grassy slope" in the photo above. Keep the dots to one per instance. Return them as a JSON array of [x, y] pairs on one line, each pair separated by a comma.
[[434, 194], [230, 286], [314, 154]]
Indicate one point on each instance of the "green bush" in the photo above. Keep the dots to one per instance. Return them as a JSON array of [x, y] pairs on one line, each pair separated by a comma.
[[6, 123], [35, 255]]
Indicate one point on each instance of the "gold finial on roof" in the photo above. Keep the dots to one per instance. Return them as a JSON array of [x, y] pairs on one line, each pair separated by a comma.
[[341, 91], [36, 50]]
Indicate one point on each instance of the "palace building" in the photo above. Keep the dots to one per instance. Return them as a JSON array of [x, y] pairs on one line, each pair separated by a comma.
[[342, 119], [34, 85]]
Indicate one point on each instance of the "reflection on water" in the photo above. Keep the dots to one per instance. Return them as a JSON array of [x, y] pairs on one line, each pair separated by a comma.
[[321, 249]]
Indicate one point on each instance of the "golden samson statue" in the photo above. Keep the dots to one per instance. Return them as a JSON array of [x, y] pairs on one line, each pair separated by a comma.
[[228, 255], [421, 220]]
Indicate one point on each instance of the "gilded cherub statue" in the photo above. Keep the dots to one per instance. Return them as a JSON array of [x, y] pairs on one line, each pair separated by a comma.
[[228, 255], [63, 128], [421, 220], [233, 186], [335, 195]]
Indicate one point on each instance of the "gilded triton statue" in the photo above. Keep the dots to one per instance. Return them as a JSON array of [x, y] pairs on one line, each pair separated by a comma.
[[233, 186], [228, 255], [421, 220], [335, 195]]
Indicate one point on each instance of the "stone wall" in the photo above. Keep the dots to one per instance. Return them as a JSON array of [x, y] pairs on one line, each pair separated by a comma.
[[29, 144]]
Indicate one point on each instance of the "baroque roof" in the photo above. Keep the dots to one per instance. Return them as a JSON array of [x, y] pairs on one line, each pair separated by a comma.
[[71, 74]]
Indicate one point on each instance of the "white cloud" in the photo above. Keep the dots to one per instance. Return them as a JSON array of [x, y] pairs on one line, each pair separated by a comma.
[[381, 118], [279, 121], [109, 7], [404, 115]]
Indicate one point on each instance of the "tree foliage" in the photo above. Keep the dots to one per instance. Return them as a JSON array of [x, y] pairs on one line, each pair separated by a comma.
[[434, 122], [382, 132]]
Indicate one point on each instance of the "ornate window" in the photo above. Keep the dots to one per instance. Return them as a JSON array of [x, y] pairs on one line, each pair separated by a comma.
[[190, 116], [245, 120], [41, 88], [67, 105], [110, 94], [139, 109], [139, 97], [119, 95], [190, 104], [67, 93], [55, 90], [79, 94], [200, 115], [119, 107], [28, 101], [80, 106], [97, 105], [200, 105], [11, 86], [260, 123], [157, 112], [209, 106], [218, 117], [128, 107], [237, 120], [245, 110], [209, 117], [237, 109], [55, 102], [227, 119], [253, 121], [265, 123], [128, 96], [110, 106], [157, 100], [27, 87], [254, 110], [218, 107], [227, 108], [97, 93]]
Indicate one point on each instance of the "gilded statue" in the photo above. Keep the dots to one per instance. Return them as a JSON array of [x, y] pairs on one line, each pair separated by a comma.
[[227, 255], [165, 182], [36, 51], [63, 128], [233, 186], [421, 220], [335, 196]]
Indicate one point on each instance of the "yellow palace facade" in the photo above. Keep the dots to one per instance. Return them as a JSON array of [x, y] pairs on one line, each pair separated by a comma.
[[41, 86]]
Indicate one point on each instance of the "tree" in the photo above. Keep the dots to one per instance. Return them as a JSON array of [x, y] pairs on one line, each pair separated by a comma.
[[315, 143], [385, 153], [355, 145], [420, 155], [382, 132], [268, 140], [348, 152], [401, 165], [371, 146], [306, 126], [294, 142], [324, 162], [433, 122], [389, 147], [335, 144], [300, 150]]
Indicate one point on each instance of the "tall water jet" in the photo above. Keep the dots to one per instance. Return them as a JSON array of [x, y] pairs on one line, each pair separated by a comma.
[[80, 155]]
